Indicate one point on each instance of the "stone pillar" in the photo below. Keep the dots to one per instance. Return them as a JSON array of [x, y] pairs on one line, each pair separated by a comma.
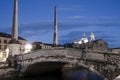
[[14, 44], [55, 42]]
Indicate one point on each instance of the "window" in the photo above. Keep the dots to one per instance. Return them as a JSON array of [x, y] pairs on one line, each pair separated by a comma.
[[0, 46], [5, 46], [4, 55], [5, 41]]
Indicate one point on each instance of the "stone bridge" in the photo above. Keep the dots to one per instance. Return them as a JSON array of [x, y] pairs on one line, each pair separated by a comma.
[[104, 62]]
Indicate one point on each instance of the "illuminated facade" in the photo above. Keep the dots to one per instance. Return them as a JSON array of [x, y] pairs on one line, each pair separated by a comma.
[[4, 40], [84, 39]]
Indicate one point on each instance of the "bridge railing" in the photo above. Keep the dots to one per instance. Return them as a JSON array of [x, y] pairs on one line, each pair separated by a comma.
[[94, 56], [43, 52], [110, 58], [107, 57]]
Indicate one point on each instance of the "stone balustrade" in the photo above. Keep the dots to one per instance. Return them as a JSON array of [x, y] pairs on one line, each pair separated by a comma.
[[70, 54]]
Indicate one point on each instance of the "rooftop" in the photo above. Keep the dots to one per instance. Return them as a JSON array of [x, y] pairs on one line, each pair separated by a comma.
[[9, 36]]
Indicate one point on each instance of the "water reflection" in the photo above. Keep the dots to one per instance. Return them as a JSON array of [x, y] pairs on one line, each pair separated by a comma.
[[81, 73], [74, 73]]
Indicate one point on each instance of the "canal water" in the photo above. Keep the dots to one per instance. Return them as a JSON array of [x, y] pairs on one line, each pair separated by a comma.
[[50, 76], [82, 74], [56, 71]]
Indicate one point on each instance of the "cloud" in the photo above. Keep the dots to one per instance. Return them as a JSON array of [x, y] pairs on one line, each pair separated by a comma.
[[70, 8], [94, 18], [47, 27], [69, 31], [104, 17], [75, 17], [37, 26]]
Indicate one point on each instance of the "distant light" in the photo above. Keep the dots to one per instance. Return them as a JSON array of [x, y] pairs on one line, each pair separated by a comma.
[[28, 48], [7, 50], [80, 42]]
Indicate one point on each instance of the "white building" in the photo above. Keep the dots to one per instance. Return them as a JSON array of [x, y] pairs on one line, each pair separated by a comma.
[[4, 40], [84, 39]]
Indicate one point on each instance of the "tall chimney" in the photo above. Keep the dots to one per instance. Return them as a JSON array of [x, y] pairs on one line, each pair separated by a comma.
[[14, 44], [15, 21], [55, 42]]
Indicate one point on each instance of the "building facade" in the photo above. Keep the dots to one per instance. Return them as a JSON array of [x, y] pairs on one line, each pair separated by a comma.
[[115, 50], [4, 40], [96, 45], [40, 45]]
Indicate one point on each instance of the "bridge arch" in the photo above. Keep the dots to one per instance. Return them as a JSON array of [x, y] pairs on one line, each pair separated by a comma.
[[100, 60], [47, 67]]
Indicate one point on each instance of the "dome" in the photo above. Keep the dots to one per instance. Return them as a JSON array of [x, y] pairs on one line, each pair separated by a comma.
[[84, 39]]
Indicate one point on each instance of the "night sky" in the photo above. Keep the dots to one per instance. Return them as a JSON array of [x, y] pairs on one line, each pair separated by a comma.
[[75, 17]]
